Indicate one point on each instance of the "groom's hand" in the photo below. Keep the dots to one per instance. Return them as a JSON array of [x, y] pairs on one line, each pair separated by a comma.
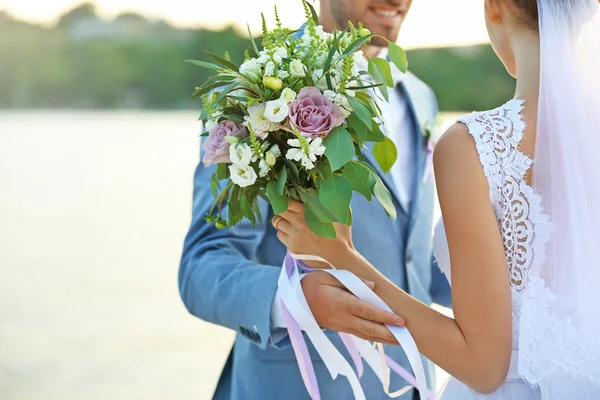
[[337, 309]]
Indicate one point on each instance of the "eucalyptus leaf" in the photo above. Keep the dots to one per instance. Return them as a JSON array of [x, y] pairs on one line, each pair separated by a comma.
[[247, 211], [311, 198], [323, 229], [361, 111], [358, 176], [375, 134], [252, 41], [222, 171], [234, 213], [281, 180], [335, 193], [384, 197], [384, 67], [339, 147], [228, 89], [379, 78], [278, 202], [385, 153], [358, 126], [204, 64], [292, 168], [223, 61], [398, 56]]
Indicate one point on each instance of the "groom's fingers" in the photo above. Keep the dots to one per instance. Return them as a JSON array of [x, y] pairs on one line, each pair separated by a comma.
[[372, 331], [369, 312], [295, 206]]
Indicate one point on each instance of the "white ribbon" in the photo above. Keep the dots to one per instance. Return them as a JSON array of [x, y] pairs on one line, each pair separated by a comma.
[[293, 298]]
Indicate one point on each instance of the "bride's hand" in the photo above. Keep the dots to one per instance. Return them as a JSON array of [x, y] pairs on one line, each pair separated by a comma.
[[295, 234]]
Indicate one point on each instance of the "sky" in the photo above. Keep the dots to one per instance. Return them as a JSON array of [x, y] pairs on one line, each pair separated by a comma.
[[430, 22]]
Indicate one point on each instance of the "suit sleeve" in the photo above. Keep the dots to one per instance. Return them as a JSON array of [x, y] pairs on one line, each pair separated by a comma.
[[218, 280]]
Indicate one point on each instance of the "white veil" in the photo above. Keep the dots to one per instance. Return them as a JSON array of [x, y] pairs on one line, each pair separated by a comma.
[[559, 338]]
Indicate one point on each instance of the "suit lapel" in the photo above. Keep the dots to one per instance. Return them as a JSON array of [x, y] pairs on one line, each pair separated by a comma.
[[419, 119]]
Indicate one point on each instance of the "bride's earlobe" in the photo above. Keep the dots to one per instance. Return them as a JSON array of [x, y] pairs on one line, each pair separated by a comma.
[[493, 11]]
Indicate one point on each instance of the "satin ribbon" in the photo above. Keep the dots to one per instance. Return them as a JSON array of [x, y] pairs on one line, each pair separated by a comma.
[[299, 318]]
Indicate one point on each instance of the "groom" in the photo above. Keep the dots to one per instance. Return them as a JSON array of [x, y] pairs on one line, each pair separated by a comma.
[[230, 277]]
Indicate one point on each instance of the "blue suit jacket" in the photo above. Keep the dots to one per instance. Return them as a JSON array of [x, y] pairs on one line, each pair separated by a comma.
[[230, 277]]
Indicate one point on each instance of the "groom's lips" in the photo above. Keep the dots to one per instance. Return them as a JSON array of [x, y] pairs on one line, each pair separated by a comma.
[[388, 15]]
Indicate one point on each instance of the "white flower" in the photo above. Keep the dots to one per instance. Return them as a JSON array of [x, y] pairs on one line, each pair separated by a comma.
[[288, 95], [275, 150], [211, 123], [264, 57], [306, 158], [269, 68], [251, 69], [340, 100], [279, 54], [263, 168], [283, 74], [350, 92], [240, 154], [260, 124], [242, 175], [277, 110], [297, 69], [321, 81]]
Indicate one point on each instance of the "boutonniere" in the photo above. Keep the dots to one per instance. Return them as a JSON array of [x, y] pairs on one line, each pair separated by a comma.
[[432, 131]]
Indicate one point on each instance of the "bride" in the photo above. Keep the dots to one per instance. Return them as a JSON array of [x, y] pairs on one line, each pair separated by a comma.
[[519, 189]]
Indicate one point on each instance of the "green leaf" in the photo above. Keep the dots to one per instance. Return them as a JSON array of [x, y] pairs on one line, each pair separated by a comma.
[[222, 171], [335, 193], [327, 65], [357, 44], [357, 126], [234, 213], [385, 153], [223, 61], [311, 198], [384, 197], [278, 202], [281, 180], [315, 16], [228, 89], [358, 176], [252, 41], [324, 229], [379, 78], [361, 111], [339, 147], [247, 211], [256, 209], [324, 170], [384, 67], [398, 56], [375, 134], [204, 64], [292, 168]]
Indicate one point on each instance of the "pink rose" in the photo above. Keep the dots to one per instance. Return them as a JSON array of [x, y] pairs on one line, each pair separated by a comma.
[[314, 114], [216, 148]]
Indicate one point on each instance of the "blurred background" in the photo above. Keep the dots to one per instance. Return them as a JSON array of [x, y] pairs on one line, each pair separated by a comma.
[[98, 144]]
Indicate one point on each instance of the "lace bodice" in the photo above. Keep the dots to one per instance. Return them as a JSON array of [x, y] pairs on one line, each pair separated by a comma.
[[497, 136]]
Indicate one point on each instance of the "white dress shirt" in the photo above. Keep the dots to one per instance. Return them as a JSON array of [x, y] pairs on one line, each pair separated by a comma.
[[398, 126]]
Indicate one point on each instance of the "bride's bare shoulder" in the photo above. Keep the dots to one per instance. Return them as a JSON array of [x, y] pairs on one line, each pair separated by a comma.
[[455, 157]]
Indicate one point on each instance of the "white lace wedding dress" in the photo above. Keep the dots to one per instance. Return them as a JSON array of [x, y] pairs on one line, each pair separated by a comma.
[[497, 135]]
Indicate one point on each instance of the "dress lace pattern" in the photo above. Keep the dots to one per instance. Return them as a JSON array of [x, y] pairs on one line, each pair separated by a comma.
[[526, 230]]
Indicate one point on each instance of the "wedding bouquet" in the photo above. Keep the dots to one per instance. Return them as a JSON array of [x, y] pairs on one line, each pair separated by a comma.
[[291, 122]]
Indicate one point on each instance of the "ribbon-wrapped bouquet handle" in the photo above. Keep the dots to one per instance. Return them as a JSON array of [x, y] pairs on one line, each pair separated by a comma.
[[299, 318]]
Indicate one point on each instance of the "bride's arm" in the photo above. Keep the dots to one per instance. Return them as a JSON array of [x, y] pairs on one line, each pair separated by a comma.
[[475, 345]]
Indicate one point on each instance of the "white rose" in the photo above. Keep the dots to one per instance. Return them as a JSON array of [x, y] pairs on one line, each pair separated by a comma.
[[288, 95], [242, 175], [297, 69], [251, 69], [269, 68], [276, 110], [240, 154]]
